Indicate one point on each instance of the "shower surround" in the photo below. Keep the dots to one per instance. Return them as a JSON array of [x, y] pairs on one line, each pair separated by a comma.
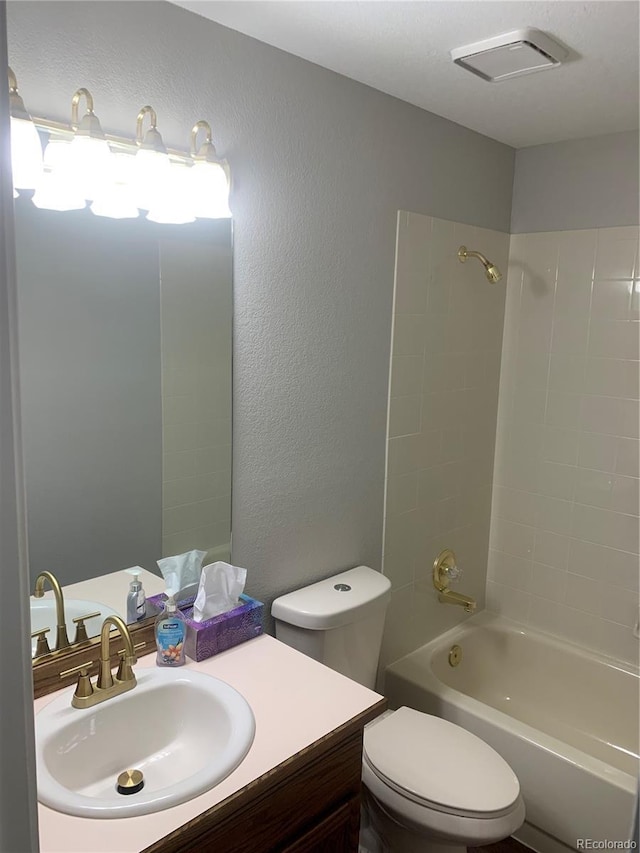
[[564, 530], [445, 371], [563, 515]]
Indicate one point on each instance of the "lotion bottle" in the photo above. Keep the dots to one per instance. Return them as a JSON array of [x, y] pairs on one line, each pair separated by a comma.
[[171, 629], [136, 600]]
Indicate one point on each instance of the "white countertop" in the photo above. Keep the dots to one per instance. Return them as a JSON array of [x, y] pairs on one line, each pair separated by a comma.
[[295, 701]]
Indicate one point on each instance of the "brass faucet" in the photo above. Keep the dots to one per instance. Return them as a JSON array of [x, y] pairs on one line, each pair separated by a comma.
[[107, 685], [445, 569], [62, 641]]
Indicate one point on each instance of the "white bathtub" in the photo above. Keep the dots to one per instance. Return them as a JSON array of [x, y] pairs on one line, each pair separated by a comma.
[[564, 719]]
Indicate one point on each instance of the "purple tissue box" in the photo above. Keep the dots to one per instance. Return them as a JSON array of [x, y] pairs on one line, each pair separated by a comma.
[[221, 632]]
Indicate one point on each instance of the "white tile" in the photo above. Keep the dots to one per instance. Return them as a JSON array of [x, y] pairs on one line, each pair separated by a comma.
[[402, 493], [594, 488], [547, 582], [514, 505], [408, 334], [560, 445], [567, 373], [614, 339], [554, 514], [597, 451], [401, 533], [617, 568], [630, 412], [429, 452], [612, 299], [570, 334], [514, 539], [624, 495], [556, 481], [403, 454], [603, 527], [616, 252], [404, 415], [546, 615], [584, 593], [603, 415], [529, 405], [618, 641], [507, 601], [551, 549], [612, 377], [179, 464], [399, 569], [577, 250], [563, 410], [406, 375], [627, 456], [619, 605]]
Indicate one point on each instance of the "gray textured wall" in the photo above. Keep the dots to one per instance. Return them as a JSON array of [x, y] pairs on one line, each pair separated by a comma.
[[321, 166], [582, 183]]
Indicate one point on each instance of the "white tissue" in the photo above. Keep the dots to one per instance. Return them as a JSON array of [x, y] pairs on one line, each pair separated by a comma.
[[186, 569], [220, 586]]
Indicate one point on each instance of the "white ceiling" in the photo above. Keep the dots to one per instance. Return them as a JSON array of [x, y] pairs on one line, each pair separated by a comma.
[[402, 48]]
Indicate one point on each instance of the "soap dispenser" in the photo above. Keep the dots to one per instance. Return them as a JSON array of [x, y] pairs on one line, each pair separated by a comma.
[[171, 629], [136, 600]]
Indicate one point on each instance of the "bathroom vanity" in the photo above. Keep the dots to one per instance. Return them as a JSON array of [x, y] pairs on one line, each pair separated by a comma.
[[296, 791]]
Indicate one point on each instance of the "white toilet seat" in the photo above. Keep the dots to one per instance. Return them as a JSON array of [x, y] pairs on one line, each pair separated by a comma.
[[434, 777]]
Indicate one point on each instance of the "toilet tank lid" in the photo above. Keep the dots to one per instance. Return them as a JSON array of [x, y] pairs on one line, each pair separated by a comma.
[[327, 604]]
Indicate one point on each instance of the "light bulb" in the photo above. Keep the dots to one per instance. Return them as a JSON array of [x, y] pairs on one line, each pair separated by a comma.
[[26, 154], [56, 189], [150, 178], [91, 165], [209, 190], [173, 206], [115, 198]]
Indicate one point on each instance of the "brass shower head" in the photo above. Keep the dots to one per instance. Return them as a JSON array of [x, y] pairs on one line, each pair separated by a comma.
[[490, 270]]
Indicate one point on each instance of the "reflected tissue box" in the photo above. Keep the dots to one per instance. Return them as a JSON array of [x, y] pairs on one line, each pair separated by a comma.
[[221, 632]]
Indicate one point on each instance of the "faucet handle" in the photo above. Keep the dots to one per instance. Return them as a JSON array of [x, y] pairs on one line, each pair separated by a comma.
[[84, 687], [81, 630], [454, 572], [42, 644], [125, 673]]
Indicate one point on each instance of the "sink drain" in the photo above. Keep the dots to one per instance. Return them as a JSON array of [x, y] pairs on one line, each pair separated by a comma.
[[130, 782]]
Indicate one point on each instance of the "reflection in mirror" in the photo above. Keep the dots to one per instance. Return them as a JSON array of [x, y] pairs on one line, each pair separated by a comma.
[[125, 377]]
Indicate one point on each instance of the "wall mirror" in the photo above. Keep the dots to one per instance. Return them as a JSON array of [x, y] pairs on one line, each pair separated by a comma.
[[124, 330]]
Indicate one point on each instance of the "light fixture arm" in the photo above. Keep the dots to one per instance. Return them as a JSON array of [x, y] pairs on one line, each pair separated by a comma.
[[16, 104], [151, 140], [89, 124], [207, 151]]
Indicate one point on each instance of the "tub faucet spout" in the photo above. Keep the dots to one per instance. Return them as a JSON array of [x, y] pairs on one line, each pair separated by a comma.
[[445, 570]]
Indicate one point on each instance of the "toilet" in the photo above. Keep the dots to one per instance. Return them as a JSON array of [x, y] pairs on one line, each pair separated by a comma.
[[429, 786]]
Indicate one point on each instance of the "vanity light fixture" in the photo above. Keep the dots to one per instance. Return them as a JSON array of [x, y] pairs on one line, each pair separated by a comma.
[[90, 152], [152, 162], [209, 181], [120, 177], [26, 150], [55, 190]]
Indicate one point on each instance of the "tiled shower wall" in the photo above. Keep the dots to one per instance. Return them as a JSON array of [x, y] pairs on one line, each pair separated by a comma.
[[564, 533], [445, 368]]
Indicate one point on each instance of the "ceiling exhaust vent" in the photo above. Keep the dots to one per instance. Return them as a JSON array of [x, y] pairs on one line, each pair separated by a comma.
[[510, 55]]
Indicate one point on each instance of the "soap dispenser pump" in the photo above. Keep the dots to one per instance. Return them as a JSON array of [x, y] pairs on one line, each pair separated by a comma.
[[136, 600], [171, 629]]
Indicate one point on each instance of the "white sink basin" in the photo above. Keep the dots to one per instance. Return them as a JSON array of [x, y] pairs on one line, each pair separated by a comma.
[[184, 730], [43, 615]]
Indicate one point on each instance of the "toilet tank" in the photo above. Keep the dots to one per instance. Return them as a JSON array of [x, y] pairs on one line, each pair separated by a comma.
[[338, 621]]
